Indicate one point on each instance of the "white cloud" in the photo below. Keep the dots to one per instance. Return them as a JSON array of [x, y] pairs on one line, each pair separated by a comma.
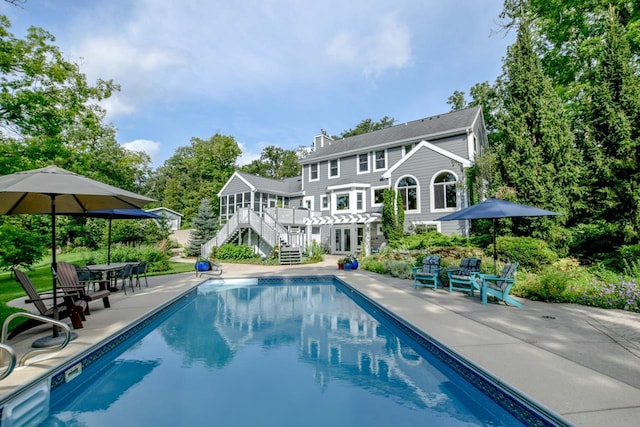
[[389, 47], [144, 145], [247, 155]]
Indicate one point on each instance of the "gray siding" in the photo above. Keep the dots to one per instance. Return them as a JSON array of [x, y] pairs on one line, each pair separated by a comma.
[[236, 185], [456, 145]]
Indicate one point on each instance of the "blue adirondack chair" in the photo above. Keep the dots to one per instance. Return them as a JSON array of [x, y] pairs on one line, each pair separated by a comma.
[[428, 275], [500, 286], [465, 277]]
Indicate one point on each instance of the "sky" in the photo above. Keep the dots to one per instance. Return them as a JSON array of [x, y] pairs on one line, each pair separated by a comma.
[[269, 72]]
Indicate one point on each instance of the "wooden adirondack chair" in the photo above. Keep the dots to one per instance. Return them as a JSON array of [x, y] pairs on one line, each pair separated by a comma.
[[428, 275], [500, 286], [67, 277], [465, 277]]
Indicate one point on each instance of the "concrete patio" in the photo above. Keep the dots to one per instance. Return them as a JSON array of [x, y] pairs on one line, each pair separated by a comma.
[[581, 362]]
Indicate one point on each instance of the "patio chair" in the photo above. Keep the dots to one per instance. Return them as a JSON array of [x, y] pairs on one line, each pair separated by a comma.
[[138, 270], [67, 277], [88, 277], [429, 274], [124, 274], [464, 278], [66, 308], [500, 286], [212, 268]]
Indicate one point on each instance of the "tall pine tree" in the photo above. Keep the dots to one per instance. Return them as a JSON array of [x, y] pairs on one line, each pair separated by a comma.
[[535, 159]]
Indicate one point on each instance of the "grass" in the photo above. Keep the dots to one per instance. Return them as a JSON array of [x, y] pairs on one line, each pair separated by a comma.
[[40, 275]]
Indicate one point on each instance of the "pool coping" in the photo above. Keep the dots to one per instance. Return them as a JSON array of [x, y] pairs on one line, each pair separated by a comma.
[[522, 407]]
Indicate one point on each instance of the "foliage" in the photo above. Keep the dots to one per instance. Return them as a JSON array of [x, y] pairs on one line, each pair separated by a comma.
[[196, 172], [390, 228], [549, 286], [229, 251], [275, 162], [366, 126], [20, 248], [432, 239], [530, 253], [157, 257], [313, 253], [203, 228], [623, 294]]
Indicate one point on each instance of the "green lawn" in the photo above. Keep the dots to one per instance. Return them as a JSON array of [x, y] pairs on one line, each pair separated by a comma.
[[40, 275]]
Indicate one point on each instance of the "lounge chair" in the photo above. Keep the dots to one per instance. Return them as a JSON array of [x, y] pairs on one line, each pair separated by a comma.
[[500, 286], [67, 277], [429, 274], [66, 308], [212, 268], [464, 278]]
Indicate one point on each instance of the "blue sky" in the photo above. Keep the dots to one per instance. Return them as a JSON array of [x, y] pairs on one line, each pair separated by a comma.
[[270, 72]]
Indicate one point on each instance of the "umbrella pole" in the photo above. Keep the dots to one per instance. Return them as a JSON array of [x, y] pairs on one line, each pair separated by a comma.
[[109, 244], [495, 250], [54, 266]]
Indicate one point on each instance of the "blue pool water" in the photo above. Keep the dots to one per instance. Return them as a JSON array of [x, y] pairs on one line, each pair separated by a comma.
[[304, 354]]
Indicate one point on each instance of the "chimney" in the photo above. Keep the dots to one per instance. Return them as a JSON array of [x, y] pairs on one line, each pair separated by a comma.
[[321, 140]]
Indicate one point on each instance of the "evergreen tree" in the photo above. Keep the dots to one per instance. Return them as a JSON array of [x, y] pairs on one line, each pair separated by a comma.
[[535, 159], [612, 137], [204, 228]]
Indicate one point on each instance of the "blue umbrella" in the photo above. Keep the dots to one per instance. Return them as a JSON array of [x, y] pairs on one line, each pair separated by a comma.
[[112, 214], [495, 209]]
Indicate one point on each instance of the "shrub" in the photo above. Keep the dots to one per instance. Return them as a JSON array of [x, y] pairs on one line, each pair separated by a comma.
[[156, 257], [400, 269], [530, 253], [372, 264], [550, 286], [229, 251]]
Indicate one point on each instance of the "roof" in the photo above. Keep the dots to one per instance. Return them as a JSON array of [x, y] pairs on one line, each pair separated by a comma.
[[162, 208], [285, 186], [429, 128]]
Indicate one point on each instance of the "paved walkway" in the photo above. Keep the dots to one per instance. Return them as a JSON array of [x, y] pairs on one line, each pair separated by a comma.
[[581, 362]]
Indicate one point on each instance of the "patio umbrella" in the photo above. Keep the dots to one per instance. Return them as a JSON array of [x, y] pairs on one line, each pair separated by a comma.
[[53, 190], [495, 209], [112, 214]]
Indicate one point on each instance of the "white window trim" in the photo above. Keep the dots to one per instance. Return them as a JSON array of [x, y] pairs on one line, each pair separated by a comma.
[[306, 199], [373, 195], [412, 211], [432, 202], [329, 169], [318, 170], [334, 204], [324, 198], [386, 161], [404, 149], [358, 171], [437, 224]]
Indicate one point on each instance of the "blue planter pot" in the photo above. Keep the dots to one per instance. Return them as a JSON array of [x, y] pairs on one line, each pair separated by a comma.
[[203, 266], [354, 264], [348, 266]]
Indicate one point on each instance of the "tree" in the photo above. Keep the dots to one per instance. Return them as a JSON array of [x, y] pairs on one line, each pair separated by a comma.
[[612, 136], [196, 172], [276, 163], [391, 205], [366, 126], [536, 156], [20, 247], [204, 227]]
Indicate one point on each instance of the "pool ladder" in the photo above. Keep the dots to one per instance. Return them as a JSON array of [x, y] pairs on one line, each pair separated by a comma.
[[6, 349]]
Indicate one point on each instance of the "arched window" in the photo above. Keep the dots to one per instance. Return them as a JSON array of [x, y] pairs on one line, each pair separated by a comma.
[[408, 189], [444, 191]]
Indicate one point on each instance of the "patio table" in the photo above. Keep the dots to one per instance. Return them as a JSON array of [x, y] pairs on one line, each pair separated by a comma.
[[107, 270]]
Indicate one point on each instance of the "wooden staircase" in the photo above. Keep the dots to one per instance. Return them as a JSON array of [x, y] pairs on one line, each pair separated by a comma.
[[290, 255]]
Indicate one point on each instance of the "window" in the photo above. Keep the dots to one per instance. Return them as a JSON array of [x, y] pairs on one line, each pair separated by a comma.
[[232, 203], [342, 202], [444, 191], [408, 189], [406, 149], [363, 163], [334, 170], [377, 196], [313, 172], [360, 201], [324, 200], [247, 200], [381, 159]]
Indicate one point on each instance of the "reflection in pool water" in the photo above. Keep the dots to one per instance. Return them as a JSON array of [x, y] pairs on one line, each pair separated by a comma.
[[274, 355]]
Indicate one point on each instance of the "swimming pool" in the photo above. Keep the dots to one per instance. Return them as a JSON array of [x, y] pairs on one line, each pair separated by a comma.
[[276, 351]]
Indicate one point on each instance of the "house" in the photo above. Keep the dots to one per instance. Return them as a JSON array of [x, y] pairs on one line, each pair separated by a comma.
[[337, 201], [174, 219]]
